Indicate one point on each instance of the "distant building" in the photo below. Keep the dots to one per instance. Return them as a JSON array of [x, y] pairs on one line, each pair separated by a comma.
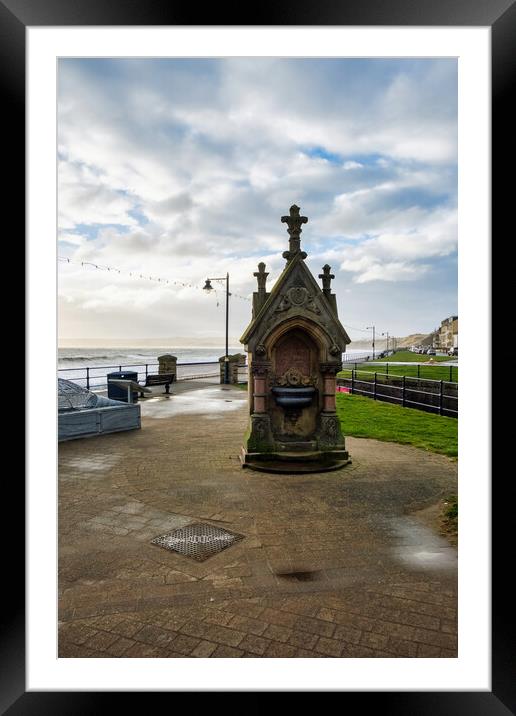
[[449, 333]]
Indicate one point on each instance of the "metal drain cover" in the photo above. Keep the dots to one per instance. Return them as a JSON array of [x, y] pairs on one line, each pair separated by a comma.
[[198, 541]]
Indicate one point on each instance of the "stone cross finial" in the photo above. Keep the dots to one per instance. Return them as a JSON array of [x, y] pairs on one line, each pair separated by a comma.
[[294, 222], [326, 277], [261, 277]]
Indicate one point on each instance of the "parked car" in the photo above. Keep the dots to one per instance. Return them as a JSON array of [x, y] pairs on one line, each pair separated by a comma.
[[453, 351], [431, 352]]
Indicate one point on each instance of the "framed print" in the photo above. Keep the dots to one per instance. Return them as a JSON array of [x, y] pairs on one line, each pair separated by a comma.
[[138, 532]]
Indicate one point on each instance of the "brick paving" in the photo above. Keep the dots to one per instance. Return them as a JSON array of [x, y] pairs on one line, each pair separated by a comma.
[[332, 565]]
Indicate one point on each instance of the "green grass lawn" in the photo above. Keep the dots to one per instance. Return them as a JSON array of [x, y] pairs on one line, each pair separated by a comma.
[[432, 372], [365, 418]]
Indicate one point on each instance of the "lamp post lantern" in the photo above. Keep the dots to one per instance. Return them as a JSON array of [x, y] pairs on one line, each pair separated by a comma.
[[208, 287]]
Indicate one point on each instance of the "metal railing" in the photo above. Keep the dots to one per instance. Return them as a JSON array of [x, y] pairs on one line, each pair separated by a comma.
[[86, 375], [357, 359], [407, 396]]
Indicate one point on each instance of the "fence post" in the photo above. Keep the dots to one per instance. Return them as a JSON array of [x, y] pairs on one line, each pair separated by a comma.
[[403, 393], [418, 370], [88, 378], [352, 381], [146, 371], [374, 389], [451, 368], [119, 368], [355, 366], [387, 368], [441, 397]]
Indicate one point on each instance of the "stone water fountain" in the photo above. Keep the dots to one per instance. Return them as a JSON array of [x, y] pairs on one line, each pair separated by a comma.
[[294, 343]]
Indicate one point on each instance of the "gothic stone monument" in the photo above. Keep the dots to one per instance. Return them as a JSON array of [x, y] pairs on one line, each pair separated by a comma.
[[295, 343]]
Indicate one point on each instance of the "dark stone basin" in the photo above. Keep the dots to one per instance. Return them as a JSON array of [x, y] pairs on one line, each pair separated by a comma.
[[293, 397]]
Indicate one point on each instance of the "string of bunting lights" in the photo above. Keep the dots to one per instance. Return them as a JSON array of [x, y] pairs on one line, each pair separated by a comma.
[[145, 277], [175, 282]]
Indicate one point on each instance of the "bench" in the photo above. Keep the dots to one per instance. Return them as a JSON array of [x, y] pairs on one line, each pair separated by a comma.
[[161, 379]]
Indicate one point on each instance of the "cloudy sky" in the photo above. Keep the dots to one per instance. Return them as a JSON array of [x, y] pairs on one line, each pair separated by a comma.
[[180, 169]]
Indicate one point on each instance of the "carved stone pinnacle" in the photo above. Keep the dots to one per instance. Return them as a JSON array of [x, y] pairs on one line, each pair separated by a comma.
[[294, 222], [261, 277], [326, 277]]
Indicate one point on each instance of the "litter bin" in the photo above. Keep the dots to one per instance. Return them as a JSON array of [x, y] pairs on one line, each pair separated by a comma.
[[119, 392]]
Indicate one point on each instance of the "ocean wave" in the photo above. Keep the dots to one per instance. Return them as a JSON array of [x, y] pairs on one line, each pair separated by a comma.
[[90, 357]]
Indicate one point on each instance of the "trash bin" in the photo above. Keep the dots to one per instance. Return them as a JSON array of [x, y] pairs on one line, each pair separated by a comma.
[[119, 392]]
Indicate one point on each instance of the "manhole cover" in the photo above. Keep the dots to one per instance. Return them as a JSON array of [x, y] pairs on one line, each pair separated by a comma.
[[198, 541]]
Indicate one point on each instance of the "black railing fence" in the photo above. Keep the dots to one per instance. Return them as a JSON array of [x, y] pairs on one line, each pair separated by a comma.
[[437, 396], [353, 358], [419, 370], [95, 377]]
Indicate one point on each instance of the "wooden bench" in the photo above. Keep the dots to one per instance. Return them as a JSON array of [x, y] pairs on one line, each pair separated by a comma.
[[161, 379]]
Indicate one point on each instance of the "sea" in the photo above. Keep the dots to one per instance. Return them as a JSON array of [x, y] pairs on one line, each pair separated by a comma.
[[74, 362]]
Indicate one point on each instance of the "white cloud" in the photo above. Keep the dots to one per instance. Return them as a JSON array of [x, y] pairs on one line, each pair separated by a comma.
[[369, 270], [194, 162], [402, 255], [84, 198]]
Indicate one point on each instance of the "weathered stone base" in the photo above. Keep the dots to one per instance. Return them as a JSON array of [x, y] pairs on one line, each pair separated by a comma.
[[294, 462], [329, 435], [259, 436]]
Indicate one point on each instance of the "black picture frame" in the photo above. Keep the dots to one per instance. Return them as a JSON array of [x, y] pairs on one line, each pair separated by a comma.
[[500, 16]]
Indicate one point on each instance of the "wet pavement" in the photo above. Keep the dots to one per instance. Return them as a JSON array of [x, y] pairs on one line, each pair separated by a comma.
[[420, 547], [194, 399], [333, 564]]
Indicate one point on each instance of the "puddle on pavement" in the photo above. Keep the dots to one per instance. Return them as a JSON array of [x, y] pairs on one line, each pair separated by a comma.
[[421, 548], [206, 401], [100, 462]]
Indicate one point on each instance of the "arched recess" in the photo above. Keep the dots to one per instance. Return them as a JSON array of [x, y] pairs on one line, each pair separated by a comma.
[[320, 337], [295, 350]]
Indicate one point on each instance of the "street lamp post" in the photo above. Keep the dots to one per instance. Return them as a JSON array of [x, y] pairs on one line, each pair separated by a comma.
[[386, 334], [208, 287], [373, 328]]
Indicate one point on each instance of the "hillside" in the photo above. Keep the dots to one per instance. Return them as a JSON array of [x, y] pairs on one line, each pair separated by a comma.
[[413, 340], [381, 344]]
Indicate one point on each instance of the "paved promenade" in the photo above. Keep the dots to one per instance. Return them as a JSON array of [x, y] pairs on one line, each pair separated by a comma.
[[338, 564]]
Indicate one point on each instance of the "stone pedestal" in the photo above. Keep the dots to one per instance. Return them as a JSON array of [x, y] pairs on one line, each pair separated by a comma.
[[233, 362], [168, 364]]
